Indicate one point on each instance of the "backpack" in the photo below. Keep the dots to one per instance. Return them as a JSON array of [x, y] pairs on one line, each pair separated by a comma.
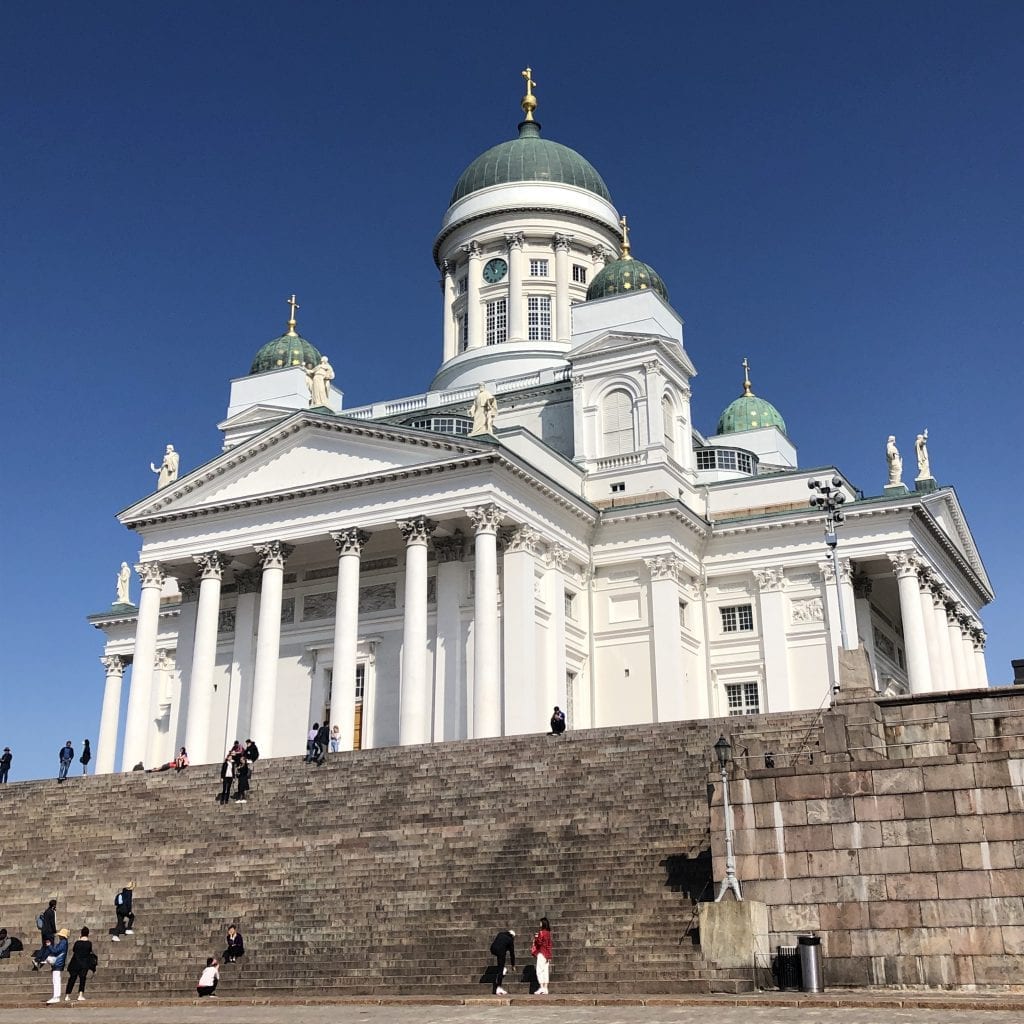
[[40, 923], [119, 899]]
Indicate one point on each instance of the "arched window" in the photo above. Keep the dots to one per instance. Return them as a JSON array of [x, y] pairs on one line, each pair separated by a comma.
[[668, 420], [617, 423]]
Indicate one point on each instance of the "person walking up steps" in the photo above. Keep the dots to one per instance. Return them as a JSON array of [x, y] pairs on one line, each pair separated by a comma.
[[123, 909], [46, 922], [504, 945], [541, 949], [83, 960], [57, 958]]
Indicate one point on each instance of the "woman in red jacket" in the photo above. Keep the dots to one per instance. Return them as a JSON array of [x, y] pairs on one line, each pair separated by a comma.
[[542, 951]]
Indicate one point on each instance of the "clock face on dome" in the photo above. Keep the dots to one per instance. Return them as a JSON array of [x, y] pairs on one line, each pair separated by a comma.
[[495, 270]]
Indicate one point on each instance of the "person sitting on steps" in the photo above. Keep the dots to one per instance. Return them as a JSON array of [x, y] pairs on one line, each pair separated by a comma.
[[235, 946]]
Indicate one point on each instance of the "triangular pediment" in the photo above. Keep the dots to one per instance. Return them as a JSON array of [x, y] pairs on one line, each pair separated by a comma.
[[948, 516], [301, 453], [615, 343]]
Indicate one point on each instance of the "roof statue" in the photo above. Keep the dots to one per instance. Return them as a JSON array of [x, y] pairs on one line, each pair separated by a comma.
[[484, 410], [924, 469], [319, 382], [124, 577], [895, 462], [167, 471]]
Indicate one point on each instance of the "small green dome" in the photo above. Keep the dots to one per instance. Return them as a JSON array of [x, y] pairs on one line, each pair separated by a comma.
[[529, 158], [288, 350], [749, 412], [620, 277]]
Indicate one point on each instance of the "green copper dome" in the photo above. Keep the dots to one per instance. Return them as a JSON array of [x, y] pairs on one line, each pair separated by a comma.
[[288, 350], [529, 158], [620, 277], [748, 412]]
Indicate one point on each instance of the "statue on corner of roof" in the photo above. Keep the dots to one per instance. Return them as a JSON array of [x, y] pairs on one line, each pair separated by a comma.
[[167, 471], [924, 468], [124, 578], [892, 457], [484, 411], [318, 380]]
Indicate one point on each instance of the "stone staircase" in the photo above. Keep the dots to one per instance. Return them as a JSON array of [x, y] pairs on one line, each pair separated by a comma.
[[387, 871]]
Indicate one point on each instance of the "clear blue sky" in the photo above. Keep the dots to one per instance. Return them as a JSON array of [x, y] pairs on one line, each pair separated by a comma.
[[832, 190]]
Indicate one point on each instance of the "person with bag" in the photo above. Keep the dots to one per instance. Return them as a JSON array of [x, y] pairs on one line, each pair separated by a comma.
[[46, 922], [242, 774], [541, 949], [57, 958], [83, 960], [125, 915], [504, 945]]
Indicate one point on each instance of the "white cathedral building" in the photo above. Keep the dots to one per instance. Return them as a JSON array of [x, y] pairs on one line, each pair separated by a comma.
[[414, 573]]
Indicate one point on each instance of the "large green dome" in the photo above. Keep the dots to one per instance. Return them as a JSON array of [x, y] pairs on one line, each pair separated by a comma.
[[529, 158], [748, 412], [620, 277], [289, 350]]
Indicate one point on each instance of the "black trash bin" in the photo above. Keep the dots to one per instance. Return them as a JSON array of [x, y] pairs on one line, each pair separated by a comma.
[[787, 968], [811, 977]]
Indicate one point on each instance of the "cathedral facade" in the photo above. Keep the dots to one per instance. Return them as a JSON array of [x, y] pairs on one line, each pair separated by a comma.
[[544, 525]]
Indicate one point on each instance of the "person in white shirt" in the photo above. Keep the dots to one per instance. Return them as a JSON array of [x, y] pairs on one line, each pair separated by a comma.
[[207, 984]]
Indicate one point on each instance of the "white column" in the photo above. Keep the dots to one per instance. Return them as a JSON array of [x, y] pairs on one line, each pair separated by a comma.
[[204, 658], [106, 744], [557, 561], [349, 544], [152, 575], [862, 585], [846, 595], [448, 328], [981, 672], [698, 691], [243, 655], [486, 667], [956, 646], [158, 739], [773, 625], [563, 316], [905, 566], [450, 703], [268, 644], [414, 714], [946, 673], [669, 698], [187, 611], [655, 424], [970, 666], [932, 641], [516, 306], [524, 711], [474, 313]]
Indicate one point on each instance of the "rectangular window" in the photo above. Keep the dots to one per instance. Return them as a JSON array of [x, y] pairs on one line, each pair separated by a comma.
[[726, 459], [570, 605], [618, 488], [743, 698], [360, 680], [462, 286], [538, 317], [579, 274], [737, 618], [538, 268], [745, 464], [706, 458], [463, 332], [497, 322]]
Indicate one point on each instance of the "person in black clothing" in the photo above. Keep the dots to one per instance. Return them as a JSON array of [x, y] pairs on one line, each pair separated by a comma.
[[5, 763], [9, 944], [323, 737], [235, 947], [81, 964], [48, 931], [504, 945], [252, 752], [242, 774], [557, 722], [85, 758], [125, 915]]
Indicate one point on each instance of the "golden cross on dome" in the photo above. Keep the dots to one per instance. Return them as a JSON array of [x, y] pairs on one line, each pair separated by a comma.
[[291, 323], [625, 236], [746, 379], [529, 103]]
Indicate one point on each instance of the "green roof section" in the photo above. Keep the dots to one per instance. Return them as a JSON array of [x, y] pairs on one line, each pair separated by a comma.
[[288, 350], [529, 158], [623, 276], [748, 412]]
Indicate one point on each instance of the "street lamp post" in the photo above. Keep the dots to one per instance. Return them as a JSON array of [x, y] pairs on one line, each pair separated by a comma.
[[828, 497], [723, 750]]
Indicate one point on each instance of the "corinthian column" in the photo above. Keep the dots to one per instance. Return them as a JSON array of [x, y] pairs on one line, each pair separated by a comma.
[[486, 670], [152, 575], [981, 672], [107, 742], [474, 314], [524, 711], [563, 330], [772, 607], [905, 566], [924, 580], [204, 657], [268, 643], [956, 645], [414, 718], [450, 706], [448, 287], [516, 319], [350, 545]]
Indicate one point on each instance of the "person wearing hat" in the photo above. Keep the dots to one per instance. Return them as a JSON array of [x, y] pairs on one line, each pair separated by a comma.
[[5, 763], [125, 916], [57, 958]]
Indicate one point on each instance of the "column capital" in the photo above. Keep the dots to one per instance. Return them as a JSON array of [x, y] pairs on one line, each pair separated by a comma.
[[485, 518], [472, 249], [845, 570], [514, 240], [247, 581], [152, 574], [563, 241], [188, 588], [979, 636], [446, 269], [163, 660], [450, 549], [114, 664], [211, 565], [652, 366], [600, 254], [772, 580], [862, 585], [557, 557], [664, 567], [350, 541], [418, 530], [904, 564], [522, 538], [274, 554]]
